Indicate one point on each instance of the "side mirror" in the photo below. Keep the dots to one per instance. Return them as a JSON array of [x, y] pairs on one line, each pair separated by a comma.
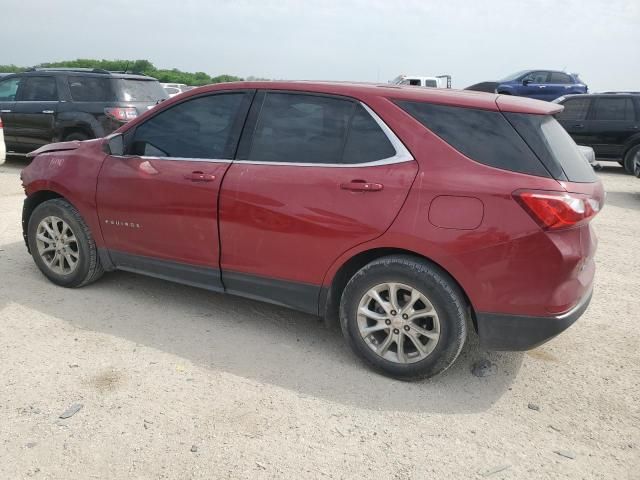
[[526, 81], [115, 145]]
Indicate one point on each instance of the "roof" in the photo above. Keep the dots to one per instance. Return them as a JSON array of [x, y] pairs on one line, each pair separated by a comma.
[[94, 72], [363, 91]]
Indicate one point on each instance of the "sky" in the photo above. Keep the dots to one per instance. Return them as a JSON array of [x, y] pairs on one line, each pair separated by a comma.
[[353, 40]]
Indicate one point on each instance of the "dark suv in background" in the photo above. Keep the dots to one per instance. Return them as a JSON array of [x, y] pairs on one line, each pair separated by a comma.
[[607, 122], [42, 106]]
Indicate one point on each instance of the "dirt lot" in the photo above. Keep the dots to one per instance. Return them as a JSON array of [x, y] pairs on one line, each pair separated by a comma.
[[177, 382]]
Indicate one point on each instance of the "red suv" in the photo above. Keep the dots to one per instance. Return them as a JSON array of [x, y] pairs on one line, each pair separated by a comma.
[[410, 214]]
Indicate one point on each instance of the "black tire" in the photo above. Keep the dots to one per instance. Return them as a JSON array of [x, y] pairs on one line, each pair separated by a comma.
[[88, 268], [629, 158], [429, 279], [79, 136]]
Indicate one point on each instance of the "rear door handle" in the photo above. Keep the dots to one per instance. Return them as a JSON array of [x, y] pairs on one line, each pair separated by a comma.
[[200, 177], [5, 111], [361, 186], [47, 111], [578, 125]]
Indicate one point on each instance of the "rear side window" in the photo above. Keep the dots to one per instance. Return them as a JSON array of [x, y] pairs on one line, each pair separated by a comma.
[[366, 141], [204, 128], [482, 135], [41, 89], [613, 109], [559, 77], [148, 91], [537, 77], [575, 109], [301, 128], [91, 89], [553, 145]]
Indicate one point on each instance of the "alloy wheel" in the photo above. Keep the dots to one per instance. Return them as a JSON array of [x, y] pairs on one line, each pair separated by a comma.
[[57, 245], [398, 322]]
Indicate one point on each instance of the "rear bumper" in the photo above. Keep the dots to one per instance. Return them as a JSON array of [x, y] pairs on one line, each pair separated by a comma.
[[499, 331]]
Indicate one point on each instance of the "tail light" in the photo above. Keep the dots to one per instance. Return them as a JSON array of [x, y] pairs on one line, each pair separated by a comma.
[[558, 210], [121, 114]]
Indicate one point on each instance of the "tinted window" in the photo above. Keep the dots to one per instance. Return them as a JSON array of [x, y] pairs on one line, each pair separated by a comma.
[[91, 89], [8, 89], [301, 128], [414, 82], [148, 91], [559, 77], [537, 77], [553, 145], [204, 127], [614, 109], [431, 83], [41, 89], [482, 135], [575, 109], [366, 142]]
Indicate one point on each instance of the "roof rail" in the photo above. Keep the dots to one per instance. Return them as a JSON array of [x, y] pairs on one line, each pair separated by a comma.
[[68, 69], [628, 92]]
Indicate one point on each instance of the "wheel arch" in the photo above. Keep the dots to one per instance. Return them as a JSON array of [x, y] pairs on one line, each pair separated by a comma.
[[329, 301], [31, 203]]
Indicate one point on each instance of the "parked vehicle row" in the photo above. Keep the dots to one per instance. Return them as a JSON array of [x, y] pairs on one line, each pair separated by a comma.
[[340, 200], [49, 105]]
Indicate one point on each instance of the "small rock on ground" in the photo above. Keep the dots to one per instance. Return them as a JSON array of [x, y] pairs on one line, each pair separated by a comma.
[[484, 368], [494, 470], [71, 411], [566, 453], [533, 406]]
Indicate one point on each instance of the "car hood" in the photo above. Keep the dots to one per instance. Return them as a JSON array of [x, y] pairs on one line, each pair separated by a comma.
[[56, 147]]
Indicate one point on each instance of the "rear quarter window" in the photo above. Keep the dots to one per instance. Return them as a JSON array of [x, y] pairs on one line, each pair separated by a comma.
[[148, 91], [91, 89], [482, 135]]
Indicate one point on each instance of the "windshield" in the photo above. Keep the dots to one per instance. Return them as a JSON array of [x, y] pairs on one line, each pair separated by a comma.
[[513, 76], [149, 91]]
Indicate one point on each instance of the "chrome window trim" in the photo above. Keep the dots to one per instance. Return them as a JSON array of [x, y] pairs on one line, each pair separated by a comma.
[[402, 154]]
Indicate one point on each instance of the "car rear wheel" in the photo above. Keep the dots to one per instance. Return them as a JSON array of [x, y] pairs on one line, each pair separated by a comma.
[[630, 159], [62, 245], [404, 316]]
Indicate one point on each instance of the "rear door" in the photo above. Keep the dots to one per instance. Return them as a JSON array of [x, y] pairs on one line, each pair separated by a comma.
[[612, 122], [315, 176], [559, 84], [574, 119], [158, 205], [35, 111]]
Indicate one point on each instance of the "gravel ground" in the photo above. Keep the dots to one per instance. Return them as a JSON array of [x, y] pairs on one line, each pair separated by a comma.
[[177, 382]]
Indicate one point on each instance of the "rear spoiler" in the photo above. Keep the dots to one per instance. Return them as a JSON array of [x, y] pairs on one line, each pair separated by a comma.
[[513, 104], [55, 147]]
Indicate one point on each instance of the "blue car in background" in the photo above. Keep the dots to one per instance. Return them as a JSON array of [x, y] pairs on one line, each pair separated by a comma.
[[541, 84]]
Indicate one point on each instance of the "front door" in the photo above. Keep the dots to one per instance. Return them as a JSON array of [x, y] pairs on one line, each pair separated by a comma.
[[318, 176], [158, 204], [534, 85], [34, 112], [8, 92], [574, 119]]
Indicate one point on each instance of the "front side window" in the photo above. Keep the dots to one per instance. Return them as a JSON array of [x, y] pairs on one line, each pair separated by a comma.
[[202, 128], [614, 109], [560, 78], [39, 89], [537, 77], [8, 89], [300, 128], [575, 109]]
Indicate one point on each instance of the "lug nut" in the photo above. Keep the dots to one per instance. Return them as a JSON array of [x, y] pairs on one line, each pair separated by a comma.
[[406, 327], [388, 322], [405, 316], [396, 331], [393, 312]]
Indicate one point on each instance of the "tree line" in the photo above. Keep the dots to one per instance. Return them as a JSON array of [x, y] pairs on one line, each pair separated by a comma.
[[133, 66]]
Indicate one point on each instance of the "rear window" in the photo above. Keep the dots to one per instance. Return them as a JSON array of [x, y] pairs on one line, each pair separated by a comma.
[[91, 89], [614, 109], [482, 135], [149, 91], [553, 145]]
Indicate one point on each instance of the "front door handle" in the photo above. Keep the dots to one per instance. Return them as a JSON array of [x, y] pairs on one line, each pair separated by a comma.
[[5, 111], [578, 125], [361, 186], [200, 177], [47, 111]]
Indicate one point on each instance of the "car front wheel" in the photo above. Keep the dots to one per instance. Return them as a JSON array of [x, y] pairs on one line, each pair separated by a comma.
[[404, 316], [62, 245], [629, 163]]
